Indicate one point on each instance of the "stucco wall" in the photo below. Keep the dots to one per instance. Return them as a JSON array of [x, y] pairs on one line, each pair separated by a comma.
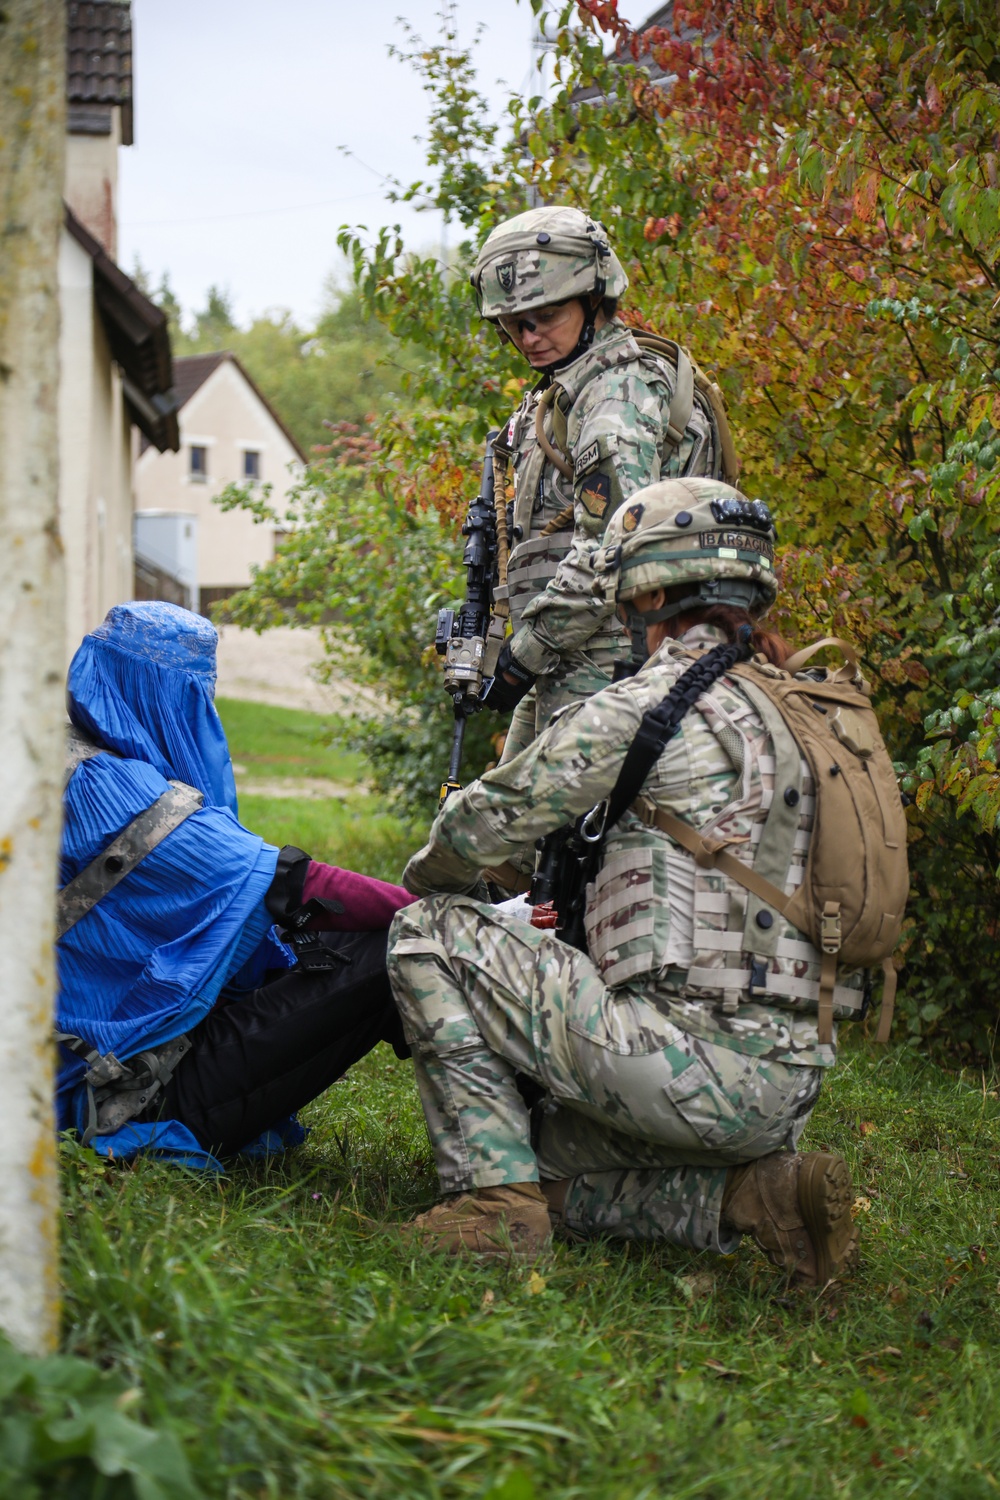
[[92, 182], [95, 493], [226, 417]]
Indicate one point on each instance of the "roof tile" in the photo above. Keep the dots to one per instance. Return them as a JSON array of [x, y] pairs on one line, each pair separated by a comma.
[[99, 52]]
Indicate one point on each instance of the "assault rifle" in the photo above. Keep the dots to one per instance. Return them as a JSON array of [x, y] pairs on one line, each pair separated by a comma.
[[470, 637]]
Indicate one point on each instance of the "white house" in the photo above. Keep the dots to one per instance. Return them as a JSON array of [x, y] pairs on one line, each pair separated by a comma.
[[115, 364], [228, 434]]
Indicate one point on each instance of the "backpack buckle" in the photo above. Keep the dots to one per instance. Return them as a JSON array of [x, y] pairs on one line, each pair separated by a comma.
[[831, 935]]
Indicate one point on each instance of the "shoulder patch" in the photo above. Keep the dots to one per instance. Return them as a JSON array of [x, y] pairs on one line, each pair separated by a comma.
[[595, 494], [589, 459]]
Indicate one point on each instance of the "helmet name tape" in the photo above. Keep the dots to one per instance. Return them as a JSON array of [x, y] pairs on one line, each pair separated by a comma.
[[741, 541]]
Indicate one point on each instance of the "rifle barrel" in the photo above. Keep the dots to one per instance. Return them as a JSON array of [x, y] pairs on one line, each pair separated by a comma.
[[456, 744]]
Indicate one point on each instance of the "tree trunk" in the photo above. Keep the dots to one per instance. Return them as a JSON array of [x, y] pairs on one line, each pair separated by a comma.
[[32, 666]]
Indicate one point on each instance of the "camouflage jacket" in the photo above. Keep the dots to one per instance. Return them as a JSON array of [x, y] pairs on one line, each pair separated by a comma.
[[610, 420], [657, 925]]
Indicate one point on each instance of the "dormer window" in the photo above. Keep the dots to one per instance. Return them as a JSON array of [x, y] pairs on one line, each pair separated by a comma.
[[198, 470], [251, 464]]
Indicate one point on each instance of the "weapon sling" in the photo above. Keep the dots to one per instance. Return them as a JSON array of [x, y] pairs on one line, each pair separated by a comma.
[[575, 854]]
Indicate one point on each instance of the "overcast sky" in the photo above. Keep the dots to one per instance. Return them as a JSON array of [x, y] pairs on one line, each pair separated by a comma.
[[236, 178]]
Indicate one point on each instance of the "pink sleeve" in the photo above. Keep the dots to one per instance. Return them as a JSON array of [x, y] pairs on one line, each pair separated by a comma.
[[368, 904]]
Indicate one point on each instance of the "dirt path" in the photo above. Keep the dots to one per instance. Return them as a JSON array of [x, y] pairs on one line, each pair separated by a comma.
[[310, 788], [279, 667]]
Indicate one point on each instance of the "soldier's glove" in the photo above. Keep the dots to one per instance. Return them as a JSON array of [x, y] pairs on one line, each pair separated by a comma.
[[504, 695]]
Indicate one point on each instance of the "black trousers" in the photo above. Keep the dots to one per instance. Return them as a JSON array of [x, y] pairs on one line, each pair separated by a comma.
[[267, 1054]]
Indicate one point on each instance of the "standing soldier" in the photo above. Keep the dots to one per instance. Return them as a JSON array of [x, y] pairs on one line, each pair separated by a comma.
[[683, 1051], [613, 411]]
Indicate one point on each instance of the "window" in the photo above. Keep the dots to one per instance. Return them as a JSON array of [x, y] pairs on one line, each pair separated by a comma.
[[199, 464], [251, 464]]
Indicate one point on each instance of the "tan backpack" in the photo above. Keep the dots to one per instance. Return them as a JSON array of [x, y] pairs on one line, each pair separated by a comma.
[[690, 379], [851, 901]]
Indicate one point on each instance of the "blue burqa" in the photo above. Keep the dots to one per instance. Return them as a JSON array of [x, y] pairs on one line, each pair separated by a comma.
[[148, 962]]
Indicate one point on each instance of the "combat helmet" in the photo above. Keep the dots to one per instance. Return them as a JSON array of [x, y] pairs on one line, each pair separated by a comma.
[[700, 539], [543, 256]]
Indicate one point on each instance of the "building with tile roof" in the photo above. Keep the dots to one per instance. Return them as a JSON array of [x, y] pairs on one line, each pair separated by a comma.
[[229, 434], [116, 371]]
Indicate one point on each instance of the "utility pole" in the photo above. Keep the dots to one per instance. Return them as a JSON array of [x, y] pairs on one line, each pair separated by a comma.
[[32, 645]]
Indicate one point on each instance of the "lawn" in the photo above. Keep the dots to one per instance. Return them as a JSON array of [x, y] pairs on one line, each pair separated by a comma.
[[273, 1320], [266, 741]]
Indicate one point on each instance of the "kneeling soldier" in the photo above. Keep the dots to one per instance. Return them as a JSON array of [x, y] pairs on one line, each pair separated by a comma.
[[679, 1065]]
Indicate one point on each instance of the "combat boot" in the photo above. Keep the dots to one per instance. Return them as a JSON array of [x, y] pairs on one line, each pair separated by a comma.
[[511, 1219], [798, 1210]]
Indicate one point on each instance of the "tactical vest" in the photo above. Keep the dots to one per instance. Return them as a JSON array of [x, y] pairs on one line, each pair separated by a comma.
[[656, 917], [542, 518]]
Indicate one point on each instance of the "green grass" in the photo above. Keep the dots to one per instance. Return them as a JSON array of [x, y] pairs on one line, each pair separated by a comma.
[[279, 742], [275, 1323], [351, 832]]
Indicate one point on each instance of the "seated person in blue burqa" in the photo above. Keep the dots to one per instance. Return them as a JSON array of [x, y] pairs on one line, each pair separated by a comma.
[[209, 983]]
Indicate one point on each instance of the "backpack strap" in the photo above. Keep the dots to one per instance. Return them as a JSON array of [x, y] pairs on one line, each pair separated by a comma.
[[117, 1091], [661, 723], [777, 842], [797, 661], [711, 854], [682, 401], [126, 851], [888, 999], [557, 460], [691, 378]]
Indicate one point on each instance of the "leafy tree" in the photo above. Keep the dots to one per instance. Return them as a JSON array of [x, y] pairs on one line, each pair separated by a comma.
[[371, 565], [215, 325], [346, 369]]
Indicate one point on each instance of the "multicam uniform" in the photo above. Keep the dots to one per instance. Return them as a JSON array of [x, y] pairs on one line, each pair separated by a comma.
[[660, 1070], [611, 419]]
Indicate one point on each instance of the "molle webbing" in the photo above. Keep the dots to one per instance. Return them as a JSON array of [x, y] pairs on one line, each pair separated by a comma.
[[712, 856], [117, 1092]]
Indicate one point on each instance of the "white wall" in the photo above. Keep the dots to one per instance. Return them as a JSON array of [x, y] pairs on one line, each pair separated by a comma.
[[169, 540], [226, 417], [95, 466], [92, 182]]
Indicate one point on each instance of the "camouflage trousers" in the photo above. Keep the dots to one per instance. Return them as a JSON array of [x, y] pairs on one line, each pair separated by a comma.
[[644, 1118], [580, 674]]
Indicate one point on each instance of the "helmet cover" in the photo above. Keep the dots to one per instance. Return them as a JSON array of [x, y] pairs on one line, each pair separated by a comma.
[[699, 532], [543, 256]]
